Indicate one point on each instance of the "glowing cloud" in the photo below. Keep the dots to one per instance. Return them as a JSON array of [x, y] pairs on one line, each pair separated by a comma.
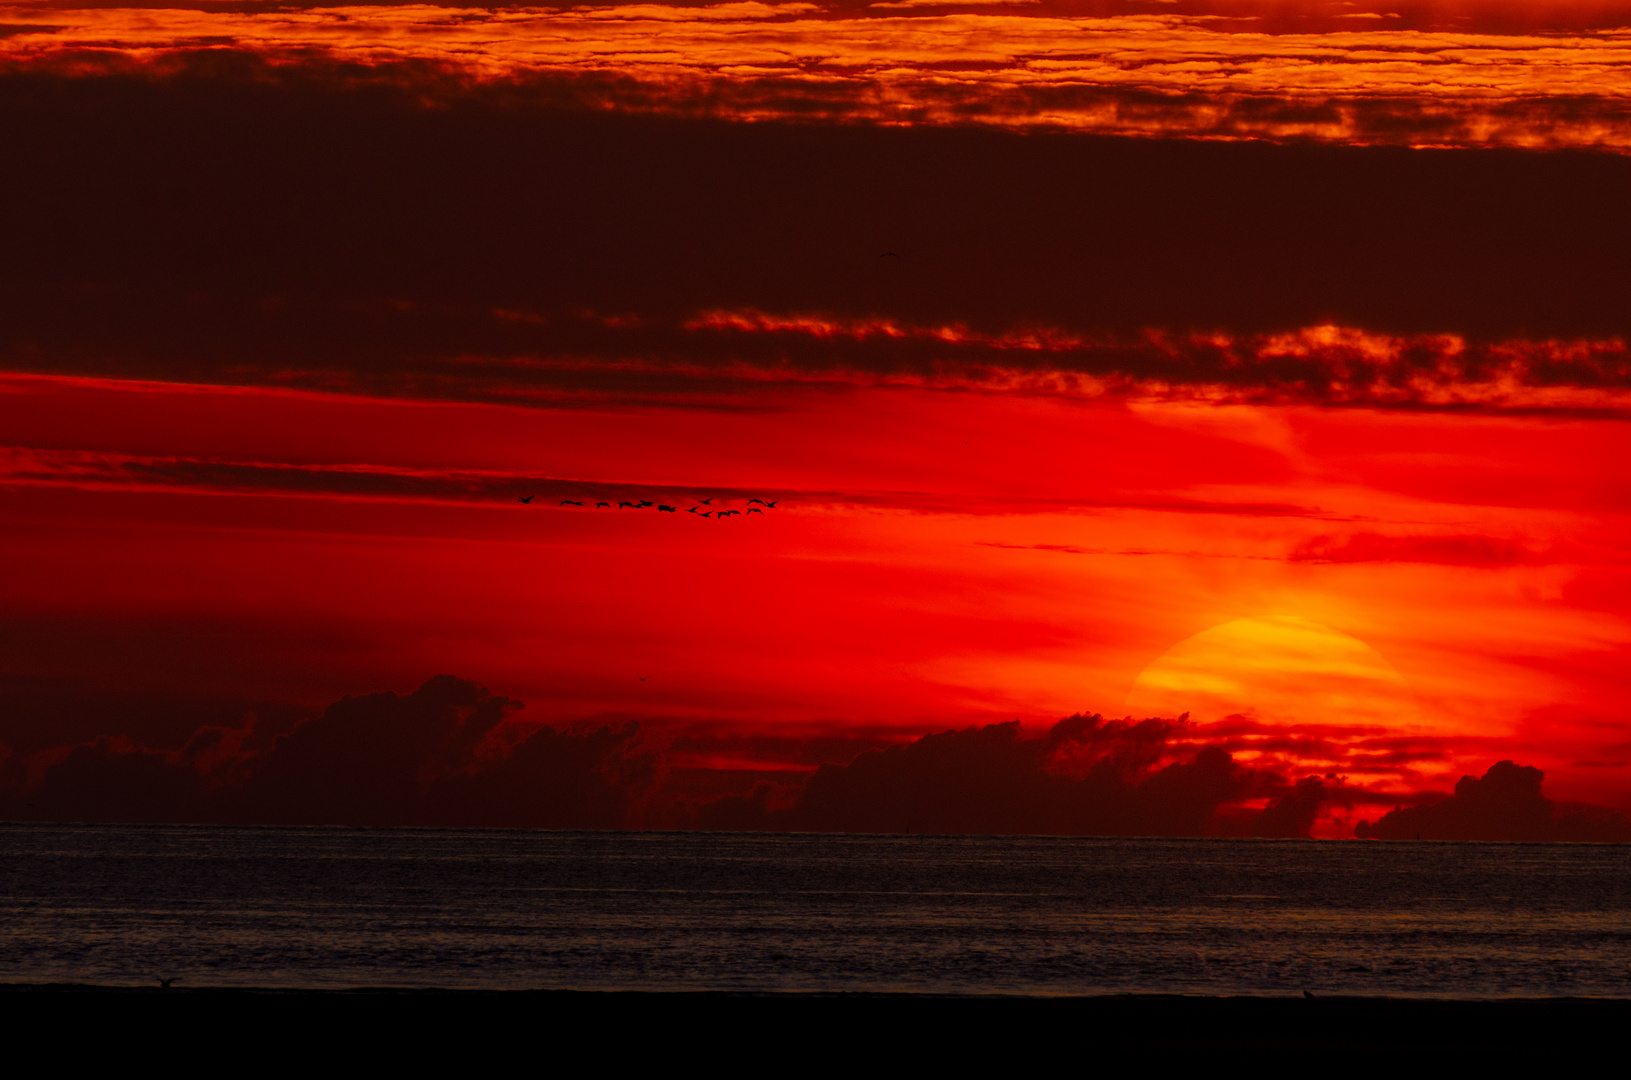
[[1173, 74]]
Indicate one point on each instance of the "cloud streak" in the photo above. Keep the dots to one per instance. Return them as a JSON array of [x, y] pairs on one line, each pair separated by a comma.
[[89, 471]]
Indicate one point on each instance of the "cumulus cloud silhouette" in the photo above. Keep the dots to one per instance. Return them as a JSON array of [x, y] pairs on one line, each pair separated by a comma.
[[424, 758], [1504, 804], [1085, 776], [452, 753], [389, 759], [113, 779]]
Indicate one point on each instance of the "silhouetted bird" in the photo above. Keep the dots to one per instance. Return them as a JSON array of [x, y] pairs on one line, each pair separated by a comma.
[[606, 505], [761, 502], [1307, 995], [630, 505], [165, 983], [666, 509], [755, 510], [525, 498], [706, 513], [642, 678], [772, 503], [728, 513], [643, 502], [569, 502], [691, 510], [889, 255], [706, 501]]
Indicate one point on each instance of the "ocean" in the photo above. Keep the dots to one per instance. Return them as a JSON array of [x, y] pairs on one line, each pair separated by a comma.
[[330, 908]]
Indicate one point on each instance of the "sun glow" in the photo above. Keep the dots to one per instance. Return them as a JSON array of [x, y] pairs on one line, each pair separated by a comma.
[[1278, 669]]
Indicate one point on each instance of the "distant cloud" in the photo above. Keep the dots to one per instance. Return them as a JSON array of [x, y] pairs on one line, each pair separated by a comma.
[[1442, 550], [1085, 776], [1505, 804], [453, 753], [425, 758], [382, 759]]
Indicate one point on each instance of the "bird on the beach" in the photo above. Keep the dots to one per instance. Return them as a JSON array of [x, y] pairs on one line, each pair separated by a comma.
[[569, 502], [525, 498]]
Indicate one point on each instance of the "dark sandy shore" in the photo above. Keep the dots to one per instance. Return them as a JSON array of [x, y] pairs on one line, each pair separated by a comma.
[[833, 1030]]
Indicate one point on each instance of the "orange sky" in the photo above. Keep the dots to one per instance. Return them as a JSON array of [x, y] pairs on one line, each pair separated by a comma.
[[935, 559], [301, 300]]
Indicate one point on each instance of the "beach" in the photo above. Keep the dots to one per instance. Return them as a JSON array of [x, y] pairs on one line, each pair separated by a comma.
[[813, 1027]]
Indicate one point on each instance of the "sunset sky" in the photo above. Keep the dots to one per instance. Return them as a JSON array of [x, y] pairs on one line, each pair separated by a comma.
[[1261, 362]]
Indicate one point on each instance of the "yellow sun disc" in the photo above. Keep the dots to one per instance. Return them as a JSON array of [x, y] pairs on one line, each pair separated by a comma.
[[1278, 669]]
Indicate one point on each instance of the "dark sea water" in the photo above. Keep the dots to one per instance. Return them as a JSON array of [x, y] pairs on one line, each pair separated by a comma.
[[757, 912]]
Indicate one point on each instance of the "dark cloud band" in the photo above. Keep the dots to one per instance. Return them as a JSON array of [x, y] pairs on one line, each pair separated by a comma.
[[243, 224]]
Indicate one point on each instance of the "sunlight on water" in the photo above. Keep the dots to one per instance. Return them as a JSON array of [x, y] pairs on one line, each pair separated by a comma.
[[1008, 915]]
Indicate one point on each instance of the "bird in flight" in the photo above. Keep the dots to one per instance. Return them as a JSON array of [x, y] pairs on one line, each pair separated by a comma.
[[706, 513], [728, 513], [606, 505], [569, 502], [691, 510], [755, 510], [761, 502], [772, 503], [642, 678], [706, 501], [630, 505], [666, 509], [889, 255], [525, 498], [165, 983], [643, 502]]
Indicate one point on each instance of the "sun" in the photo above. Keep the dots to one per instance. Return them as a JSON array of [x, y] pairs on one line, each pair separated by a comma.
[[1278, 669]]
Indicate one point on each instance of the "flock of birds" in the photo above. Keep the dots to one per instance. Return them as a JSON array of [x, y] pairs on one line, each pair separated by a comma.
[[662, 508]]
